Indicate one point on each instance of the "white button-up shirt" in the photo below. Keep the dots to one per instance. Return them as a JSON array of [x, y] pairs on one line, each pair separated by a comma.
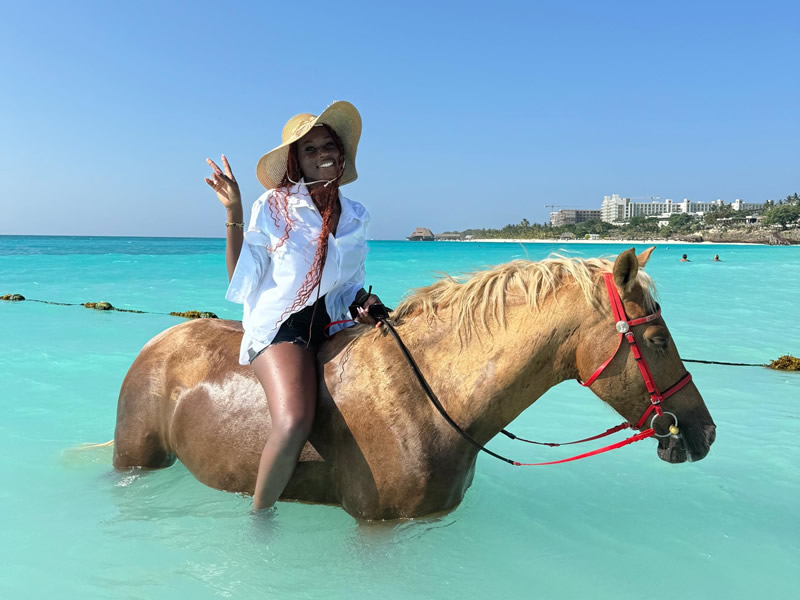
[[268, 274]]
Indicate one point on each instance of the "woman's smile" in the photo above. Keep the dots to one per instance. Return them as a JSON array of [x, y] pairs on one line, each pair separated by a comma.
[[318, 155]]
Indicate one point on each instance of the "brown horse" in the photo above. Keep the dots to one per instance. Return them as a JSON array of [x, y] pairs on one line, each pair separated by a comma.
[[489, 346]]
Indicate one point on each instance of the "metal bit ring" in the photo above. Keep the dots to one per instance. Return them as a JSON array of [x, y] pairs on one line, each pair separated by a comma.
[[663, 435]]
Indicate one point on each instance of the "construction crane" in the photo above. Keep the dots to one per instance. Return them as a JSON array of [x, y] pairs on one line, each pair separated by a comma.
[[551, 207]]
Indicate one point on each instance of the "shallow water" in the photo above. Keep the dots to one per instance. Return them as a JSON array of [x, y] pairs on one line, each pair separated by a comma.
[[621, 525]]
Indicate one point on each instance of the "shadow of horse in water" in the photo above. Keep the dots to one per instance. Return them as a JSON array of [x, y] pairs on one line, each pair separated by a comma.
[[490, 346]]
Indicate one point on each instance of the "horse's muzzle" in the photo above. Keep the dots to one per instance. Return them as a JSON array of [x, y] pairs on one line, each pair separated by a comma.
[[691, 444]]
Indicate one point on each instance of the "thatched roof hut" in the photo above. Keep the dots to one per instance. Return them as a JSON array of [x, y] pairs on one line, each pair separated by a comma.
[[422, 234]]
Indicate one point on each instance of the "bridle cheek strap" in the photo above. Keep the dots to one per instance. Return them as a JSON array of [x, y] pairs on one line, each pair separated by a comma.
[[623, 326]]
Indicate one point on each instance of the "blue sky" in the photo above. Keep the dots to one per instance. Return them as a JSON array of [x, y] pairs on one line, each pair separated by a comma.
[[475, 114]]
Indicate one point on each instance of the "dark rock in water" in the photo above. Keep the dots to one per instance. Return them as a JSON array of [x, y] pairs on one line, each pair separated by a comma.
[[13, 297], [786, 363]]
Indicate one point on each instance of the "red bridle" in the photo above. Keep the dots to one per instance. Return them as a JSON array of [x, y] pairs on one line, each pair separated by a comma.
[[623, 326]]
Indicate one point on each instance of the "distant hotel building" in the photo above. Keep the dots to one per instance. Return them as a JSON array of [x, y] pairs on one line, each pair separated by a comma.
[[742, 205], [616, 209], [572, 217]]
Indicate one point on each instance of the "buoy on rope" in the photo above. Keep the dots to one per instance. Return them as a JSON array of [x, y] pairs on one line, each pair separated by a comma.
[[194, 314], [189, 314], [787, 362], [99, 305]]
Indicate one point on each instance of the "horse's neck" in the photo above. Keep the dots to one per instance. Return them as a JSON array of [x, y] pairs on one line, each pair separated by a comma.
[[486, 380]]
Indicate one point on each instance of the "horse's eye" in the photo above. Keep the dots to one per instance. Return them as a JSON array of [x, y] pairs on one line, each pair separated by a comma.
[[658, 341], [657, 336]]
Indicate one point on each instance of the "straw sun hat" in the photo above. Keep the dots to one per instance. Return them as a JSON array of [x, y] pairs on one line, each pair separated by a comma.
[[340, 116]]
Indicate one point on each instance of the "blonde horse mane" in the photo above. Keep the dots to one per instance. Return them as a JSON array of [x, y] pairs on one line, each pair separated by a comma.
[[476, 296]]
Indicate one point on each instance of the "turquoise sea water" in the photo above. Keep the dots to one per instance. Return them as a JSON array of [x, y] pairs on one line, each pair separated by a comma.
[[621, 525]]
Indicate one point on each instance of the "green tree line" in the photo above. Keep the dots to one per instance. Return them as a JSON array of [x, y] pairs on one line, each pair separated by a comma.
[[783, 212]]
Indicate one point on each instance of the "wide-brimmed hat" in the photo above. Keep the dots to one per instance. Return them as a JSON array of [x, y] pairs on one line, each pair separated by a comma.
[[340, 116]]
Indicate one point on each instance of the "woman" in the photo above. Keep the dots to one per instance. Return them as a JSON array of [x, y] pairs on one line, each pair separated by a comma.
[[296, 268]]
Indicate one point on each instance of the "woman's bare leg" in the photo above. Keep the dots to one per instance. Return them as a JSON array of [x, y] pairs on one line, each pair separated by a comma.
[[288, 375]]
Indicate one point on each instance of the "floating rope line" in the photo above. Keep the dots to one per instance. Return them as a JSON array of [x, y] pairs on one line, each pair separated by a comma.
[[189, 314], [730, 364], [787, 362]]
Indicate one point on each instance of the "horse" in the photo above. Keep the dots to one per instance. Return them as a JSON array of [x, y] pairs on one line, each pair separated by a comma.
[[489, 344]]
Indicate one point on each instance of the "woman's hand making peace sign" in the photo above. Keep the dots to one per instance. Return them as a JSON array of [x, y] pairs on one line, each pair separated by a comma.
[[228, 193], [224, 184]]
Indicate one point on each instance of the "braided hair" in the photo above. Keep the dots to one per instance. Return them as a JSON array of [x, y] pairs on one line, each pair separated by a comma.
[[325, 197]]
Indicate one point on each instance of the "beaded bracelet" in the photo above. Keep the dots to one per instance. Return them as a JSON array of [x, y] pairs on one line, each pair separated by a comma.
[[234, 224]]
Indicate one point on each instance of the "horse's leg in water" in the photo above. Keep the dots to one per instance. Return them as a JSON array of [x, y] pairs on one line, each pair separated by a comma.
[[287, 371], [137, 437]]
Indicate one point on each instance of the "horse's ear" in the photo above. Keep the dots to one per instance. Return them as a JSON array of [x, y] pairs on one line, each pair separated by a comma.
[[626, 267], [645, 256]]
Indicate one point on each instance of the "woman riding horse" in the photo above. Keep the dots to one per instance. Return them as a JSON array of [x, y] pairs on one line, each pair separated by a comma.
[[488, 346], [302, 220]]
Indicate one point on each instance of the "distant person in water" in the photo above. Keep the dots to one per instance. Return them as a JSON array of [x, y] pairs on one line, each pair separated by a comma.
[[685, 259], [716, 258]]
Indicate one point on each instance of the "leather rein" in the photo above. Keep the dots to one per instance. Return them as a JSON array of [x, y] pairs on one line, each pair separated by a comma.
[[623, 326]]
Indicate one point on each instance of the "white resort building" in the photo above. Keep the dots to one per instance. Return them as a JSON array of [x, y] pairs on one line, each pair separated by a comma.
[[616, 209], [744, 206]]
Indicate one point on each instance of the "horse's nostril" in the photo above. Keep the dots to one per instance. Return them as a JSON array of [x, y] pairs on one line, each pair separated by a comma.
[[674, 451]]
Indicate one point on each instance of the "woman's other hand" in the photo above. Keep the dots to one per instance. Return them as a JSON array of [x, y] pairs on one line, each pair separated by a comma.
[[363, 314], [224, 184]]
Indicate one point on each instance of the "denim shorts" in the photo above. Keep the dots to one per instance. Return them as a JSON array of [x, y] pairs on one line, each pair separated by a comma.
[[306, 327]]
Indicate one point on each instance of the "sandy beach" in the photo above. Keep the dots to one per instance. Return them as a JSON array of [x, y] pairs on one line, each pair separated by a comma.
[[649, 242]]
